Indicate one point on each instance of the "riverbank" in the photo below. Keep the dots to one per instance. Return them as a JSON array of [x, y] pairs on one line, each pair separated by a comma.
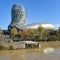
[[33, 53], [20, 45]]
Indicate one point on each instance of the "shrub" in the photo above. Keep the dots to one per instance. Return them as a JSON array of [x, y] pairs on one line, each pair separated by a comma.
[[10, 40], [12, 47], [32, 46], [3, 47]]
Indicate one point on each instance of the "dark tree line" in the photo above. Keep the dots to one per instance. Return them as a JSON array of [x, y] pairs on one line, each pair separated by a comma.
[[35, 35]]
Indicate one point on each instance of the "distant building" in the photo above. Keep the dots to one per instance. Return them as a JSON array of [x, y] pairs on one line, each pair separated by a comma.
[[4, 36], [18, 19], [46, 26], [18, 16]]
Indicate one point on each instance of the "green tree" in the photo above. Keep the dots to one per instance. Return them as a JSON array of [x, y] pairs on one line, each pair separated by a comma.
[[59, 31], [54, 35], [1, 31], [45, 35], [14, 32], [54, 38], [28, 34], [25, 34], [31, 34], [41, 32], [58, 34]]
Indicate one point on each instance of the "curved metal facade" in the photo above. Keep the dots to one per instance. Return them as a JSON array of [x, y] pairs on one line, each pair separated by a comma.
[[18, 15], [18, 19]]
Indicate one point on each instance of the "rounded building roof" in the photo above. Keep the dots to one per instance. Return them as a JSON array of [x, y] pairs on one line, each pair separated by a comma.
[[36, 25]]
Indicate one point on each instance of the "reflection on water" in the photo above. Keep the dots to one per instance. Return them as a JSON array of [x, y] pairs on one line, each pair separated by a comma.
[[48, 50], [31, 54]]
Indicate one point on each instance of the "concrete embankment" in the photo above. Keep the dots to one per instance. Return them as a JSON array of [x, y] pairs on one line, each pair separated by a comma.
[[17, 45]]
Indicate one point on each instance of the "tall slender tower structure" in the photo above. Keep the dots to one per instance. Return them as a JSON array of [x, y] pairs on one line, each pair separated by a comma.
[[18, 16]]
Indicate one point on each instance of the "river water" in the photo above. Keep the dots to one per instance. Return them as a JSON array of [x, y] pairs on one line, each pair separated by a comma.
[[30, 54]]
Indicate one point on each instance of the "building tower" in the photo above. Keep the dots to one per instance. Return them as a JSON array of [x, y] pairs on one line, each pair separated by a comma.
[[18, 16]]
